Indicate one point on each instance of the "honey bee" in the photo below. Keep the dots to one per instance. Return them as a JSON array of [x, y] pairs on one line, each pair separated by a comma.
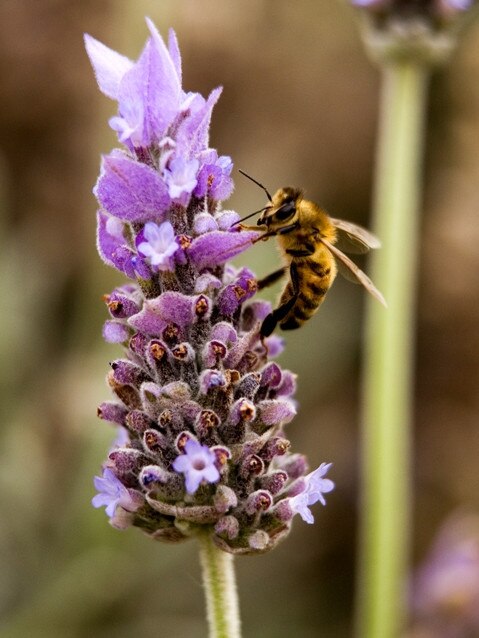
[[311, 243]]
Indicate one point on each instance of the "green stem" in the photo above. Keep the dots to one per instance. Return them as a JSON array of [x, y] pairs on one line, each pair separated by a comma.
[[388, 373], [220, 590]]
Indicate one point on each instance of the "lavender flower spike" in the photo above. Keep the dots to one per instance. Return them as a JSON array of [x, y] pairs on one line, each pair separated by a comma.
[[203, 407]]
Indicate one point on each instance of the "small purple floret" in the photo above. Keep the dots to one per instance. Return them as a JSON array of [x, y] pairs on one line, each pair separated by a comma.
[[197, 464], [113, 494], [180, 177], [159, 246], [315, 487]]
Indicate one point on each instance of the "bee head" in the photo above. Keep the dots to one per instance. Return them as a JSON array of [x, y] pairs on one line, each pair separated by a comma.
[[283, 208]]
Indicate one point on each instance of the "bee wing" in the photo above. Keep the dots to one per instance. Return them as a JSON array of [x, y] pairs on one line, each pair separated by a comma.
[[353, 238], [352, 272]]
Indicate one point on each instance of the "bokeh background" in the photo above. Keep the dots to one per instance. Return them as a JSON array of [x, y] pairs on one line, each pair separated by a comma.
[[299, 107]]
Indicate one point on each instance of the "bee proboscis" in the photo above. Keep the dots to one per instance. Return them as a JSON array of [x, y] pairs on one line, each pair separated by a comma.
[[312, 245]]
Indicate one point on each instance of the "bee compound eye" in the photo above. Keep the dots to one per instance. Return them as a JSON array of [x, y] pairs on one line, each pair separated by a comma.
[[286, 210]]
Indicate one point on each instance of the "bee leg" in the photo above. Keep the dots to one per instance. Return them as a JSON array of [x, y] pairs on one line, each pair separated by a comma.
[[271, 321], [247, 226], [271, 279], [266, 234]]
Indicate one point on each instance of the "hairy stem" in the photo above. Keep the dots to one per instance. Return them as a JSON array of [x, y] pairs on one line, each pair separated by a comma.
[[220, 590], [388, 372]]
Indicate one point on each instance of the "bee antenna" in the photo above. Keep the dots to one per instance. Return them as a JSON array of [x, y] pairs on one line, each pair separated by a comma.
[[257, 184], [243, 219]]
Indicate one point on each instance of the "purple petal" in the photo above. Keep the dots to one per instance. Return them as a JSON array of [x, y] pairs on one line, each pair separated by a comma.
[[226, 219], [204, 223], [224, 331], [149, 94], [299, 505], [193, 133], [158, 245], [272, 412], [121, 304], [131, 191], [207, 282], [148, 321], [210, 379], [156, 314], [174, 307], [115, 332], [181, 463], [260, 309], [160, 84], [229, 299], [214, 179], [275, 347], [111, 244], [211, 474], [109, 237], [180, 178], [271, 375], [109, 66], [287, 386], [174, 51], [192, 481], [213, 249]]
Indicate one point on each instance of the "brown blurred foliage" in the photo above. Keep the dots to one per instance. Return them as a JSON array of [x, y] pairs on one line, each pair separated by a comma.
[[299, 106]]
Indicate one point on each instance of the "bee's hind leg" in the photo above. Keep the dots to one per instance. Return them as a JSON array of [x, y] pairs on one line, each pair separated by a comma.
[[271, 321]]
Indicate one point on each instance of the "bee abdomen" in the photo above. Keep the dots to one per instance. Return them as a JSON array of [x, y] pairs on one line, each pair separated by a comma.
[[320, 270], [310, 297], [316, 288], [308, 303]]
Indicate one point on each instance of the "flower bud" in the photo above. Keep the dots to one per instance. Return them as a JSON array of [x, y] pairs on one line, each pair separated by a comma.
[[138, 421], [274, 482], [112, 412], [259, 501], [228, 527], [225, 498]]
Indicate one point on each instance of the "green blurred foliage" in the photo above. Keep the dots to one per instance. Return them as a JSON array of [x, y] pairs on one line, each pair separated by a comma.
[[299, 107]]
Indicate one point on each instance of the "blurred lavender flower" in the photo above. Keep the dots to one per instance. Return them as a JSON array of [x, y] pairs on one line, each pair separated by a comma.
[[445, 589], [432, 8], [201, 406], [423, 29]]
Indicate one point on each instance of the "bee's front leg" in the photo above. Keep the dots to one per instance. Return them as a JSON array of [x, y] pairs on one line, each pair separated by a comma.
[[247, 227], [266, 234]]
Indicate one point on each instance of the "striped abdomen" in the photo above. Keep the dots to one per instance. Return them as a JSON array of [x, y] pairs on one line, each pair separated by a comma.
[[314, 280]]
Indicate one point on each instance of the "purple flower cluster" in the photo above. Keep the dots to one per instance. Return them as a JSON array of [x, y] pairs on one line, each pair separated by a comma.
[[200, 406]]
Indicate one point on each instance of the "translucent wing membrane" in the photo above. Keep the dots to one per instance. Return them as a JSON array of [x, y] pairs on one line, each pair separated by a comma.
[[349, 269], [353, 238]]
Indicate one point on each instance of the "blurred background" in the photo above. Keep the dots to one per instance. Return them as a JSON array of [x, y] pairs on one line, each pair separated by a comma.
[[299, 108]]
